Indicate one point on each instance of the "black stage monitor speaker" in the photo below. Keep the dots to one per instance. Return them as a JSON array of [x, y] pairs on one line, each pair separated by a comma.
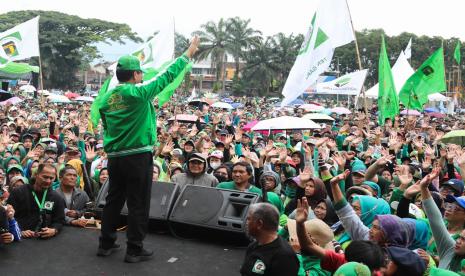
[[164, 195], [213, 208]]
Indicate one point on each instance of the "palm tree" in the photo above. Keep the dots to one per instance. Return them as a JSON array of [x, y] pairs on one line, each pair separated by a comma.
[[261, 67], [240, 38], [213, 43], [285, 49]]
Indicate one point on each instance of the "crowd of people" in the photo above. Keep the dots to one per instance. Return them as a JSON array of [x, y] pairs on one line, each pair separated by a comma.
[[351, 198]]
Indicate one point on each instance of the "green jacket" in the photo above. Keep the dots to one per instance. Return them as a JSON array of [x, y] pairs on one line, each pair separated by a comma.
[[128, 116]]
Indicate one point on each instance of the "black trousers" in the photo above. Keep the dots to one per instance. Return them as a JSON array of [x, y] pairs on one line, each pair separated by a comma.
[[130, 180]]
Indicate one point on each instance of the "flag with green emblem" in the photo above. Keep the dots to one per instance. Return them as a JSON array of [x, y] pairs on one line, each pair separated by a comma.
[[428, 79]]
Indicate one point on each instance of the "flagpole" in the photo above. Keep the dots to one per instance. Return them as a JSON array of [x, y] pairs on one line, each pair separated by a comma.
[[359, 63], [40, 71]]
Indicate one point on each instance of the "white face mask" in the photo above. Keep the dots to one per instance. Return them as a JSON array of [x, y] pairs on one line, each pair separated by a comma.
[[215, 165]]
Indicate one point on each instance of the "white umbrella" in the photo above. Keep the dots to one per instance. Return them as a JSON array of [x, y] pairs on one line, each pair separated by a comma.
[[84, 99], [45, 92], [341, 110], [286, 122], [317, 117], [222, 105], [58, 98], [312, 107], [27, 88]]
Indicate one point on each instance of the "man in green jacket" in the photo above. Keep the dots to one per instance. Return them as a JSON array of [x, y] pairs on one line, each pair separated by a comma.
[[129, 121]]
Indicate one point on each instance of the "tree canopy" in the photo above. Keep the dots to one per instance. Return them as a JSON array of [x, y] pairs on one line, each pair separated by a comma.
[[68, 42]]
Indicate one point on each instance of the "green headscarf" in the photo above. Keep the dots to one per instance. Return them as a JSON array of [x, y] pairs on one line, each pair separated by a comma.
[[8, 159], [353, 269], [370, 207]]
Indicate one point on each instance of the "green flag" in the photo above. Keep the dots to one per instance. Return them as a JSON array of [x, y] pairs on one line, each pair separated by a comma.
[[457, 55], [388, 104], [428, 79]]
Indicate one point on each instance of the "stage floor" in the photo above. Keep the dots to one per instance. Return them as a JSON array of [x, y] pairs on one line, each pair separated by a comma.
[[73, 253]]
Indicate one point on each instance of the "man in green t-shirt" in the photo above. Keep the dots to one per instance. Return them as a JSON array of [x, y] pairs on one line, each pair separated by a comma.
[[129, 121], [241, 173]]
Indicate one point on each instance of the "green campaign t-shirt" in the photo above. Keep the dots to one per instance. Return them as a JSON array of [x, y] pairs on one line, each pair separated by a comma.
[[273, 198]]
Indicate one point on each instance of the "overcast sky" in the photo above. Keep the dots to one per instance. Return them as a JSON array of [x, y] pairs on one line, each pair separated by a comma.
[[429, 17]]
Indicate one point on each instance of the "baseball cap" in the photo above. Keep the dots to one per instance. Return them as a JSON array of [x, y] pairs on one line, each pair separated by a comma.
[[217, 154], [224, 132], [358, 167], [15, 167], [459, 200], [456, 185], [71, 149], [52, 149], [198, 157], [219, 143], [129, 63], [176, 152]]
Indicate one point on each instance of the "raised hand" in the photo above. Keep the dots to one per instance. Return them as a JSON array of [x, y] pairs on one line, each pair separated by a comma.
[[193, 47], [349, 155], [282, 154], [269, 146], [411, 191], [424, 183], [301, 212], [71, 135], [228, 140], [331, 144], [168, 148], [460, 159], [175, 127], [305, 175], [216, 119], [382, 161], [405, 178], [246, 152], [227, 120], [238, 134], [234, 159], [339, 159], [90, 153], [320, 142], [338, 178], [426, 162], [428, 150]]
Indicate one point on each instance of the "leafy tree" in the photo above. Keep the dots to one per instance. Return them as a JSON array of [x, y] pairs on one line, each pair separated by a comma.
[[181, 43], [68, 42]]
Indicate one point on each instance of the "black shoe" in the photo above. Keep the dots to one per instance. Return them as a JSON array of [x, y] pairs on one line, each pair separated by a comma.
[[102, 252], [143, 255]]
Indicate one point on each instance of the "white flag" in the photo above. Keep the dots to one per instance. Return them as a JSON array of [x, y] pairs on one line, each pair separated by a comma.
[[192, 96], [349, 84], [154, 53], [408, 49], [401, 71], [330, 28], [159, 49], [21, 42]]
